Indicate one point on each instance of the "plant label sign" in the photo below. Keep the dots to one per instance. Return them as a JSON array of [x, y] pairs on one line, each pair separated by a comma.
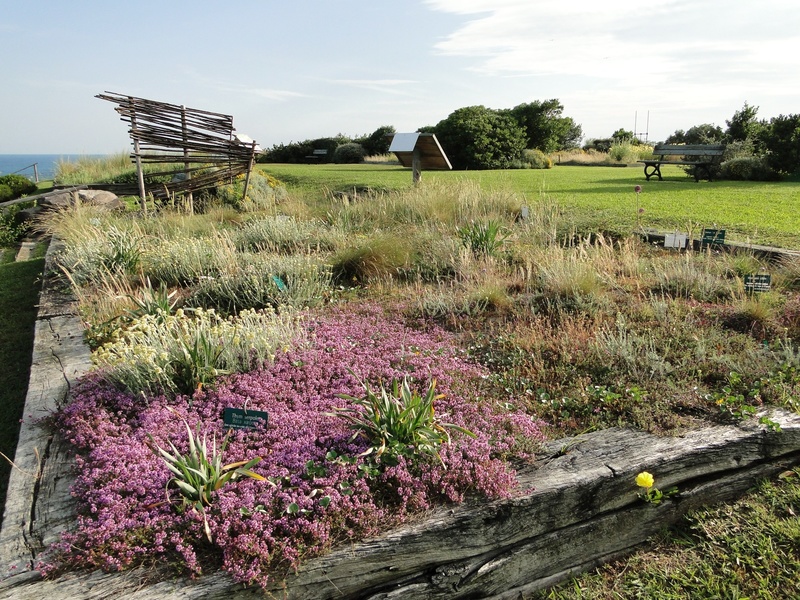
[[238, 418], [713, 236], [675, 240], [757, 283]]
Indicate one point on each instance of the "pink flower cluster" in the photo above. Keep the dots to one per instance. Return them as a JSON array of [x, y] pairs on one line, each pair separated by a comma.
[[317, 494]]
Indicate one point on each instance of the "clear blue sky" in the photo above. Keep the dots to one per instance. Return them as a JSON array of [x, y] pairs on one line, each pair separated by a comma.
[[295, 70]]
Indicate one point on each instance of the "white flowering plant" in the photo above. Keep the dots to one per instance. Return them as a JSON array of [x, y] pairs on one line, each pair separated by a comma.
[[177, 354]]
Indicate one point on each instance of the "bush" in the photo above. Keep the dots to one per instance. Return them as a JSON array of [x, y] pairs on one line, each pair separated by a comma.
[[351, 153], [11, 229], [382, 256], [15, 186], [175, 354], [624, 152], [263, 191], [476, 137], [536, 159], [747, 168]]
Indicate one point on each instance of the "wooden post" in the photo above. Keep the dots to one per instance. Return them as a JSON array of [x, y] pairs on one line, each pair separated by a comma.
[[249, 169], [139, 173], [416, 168], [35, 173], [186, 172]]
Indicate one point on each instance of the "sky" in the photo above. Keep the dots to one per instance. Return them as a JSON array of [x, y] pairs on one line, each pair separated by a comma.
[[294, 70]]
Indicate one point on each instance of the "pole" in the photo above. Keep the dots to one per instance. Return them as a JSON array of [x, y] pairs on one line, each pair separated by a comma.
[[249, 168], [186, 165], [416, 166], [137, 156]]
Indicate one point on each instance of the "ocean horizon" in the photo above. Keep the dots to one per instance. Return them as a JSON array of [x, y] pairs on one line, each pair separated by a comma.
[[23, 164]]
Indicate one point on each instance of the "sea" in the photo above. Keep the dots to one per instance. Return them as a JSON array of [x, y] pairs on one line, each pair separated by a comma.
[[45, 164]]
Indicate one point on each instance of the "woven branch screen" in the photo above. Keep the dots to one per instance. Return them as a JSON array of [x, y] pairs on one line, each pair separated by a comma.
[[205, 144]]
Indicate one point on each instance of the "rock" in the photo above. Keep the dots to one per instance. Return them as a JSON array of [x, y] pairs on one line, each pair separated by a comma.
[[99, 198], [27, 214]]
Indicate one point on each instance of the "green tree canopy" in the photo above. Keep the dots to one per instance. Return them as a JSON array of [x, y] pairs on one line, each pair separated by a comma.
[[781, 142], [744, 126], [699, 134], [378, 141], [545, 127], [476, 137]]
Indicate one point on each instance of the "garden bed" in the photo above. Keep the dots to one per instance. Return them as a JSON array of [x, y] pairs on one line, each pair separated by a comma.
[[580, 507]]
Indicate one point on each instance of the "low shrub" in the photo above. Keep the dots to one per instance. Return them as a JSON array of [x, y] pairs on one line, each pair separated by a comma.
[[536, 159], [382, 256], [748, 168], [351, 153], [180, 353], [625, 152], [263, 191], [11, 229], [15, 186], [261, 281]]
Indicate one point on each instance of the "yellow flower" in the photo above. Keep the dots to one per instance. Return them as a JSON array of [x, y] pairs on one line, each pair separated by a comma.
[[645, 480]]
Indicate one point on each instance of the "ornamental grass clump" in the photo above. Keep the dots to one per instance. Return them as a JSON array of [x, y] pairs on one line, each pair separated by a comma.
[[177, 354], [108, 246], [266, 280], [398, 422], [320, 489], [283, 234], [484, 238]]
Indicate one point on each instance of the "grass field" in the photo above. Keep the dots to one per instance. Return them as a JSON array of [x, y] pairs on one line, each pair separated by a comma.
[[603, 198], [19, 293]]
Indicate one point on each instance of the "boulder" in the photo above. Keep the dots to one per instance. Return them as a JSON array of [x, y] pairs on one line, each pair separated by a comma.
[[99, 198]]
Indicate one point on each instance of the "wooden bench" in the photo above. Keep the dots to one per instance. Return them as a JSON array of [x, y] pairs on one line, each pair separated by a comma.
[[701, 156], [317, 155]]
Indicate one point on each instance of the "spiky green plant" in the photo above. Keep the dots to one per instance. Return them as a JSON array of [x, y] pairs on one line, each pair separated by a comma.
[[398, 422], [200, 472], [484, 238]]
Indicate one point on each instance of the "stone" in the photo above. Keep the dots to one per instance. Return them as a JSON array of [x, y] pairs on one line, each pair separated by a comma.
[[99, 198]]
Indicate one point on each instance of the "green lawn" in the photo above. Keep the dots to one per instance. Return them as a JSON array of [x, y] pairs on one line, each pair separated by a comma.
[[19, 295], [602, 197]]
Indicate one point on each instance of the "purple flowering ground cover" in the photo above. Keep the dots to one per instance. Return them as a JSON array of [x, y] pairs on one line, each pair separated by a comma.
[[313, 499]]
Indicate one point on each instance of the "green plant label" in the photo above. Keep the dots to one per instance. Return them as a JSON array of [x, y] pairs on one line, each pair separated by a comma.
[[279, 282], [757, 283], [713, 236], [239, 418]]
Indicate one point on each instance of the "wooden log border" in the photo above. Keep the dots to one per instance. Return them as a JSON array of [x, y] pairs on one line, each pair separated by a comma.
[[579, 507]]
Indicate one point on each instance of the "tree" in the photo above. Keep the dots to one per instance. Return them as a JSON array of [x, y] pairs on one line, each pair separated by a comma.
[[781, 141], [378, 141], [743, 126], [476, 137], [699, 134], [545, 128], [624, 136]]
